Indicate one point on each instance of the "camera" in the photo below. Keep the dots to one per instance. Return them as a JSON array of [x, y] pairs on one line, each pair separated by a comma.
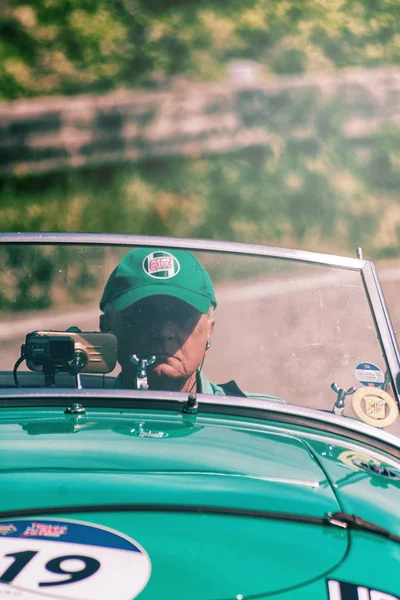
[[70, 351], [48, 350]]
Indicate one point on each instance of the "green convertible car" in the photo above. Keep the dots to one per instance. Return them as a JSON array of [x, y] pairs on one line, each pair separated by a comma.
[[195, 420]]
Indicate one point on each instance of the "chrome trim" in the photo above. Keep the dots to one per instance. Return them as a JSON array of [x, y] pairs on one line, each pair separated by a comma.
[[243, 407], [385, 311], [191, 244], [383, 325], [299, 482], [336, 522]]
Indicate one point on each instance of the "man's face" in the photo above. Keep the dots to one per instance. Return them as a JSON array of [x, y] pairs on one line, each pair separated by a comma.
[[172, 330]]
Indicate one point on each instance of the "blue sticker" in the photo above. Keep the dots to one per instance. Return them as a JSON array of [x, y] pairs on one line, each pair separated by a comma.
[[370, 375], [71, 532]]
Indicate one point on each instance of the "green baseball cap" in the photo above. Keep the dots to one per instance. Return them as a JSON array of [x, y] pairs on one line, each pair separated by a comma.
[[145, 272]]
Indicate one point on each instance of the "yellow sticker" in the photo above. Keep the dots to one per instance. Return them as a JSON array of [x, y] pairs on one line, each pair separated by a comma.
[[355, 459], [364, 462], [375, 407]]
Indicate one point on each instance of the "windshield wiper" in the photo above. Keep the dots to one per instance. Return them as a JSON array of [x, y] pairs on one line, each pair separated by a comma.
[[347, 521], [337, 519]]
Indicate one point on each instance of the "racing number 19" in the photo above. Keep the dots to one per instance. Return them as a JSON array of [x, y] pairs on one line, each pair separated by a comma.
[[21, 559]]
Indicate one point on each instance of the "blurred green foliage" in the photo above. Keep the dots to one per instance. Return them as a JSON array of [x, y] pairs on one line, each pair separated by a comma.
[[80, 46], [326, 195], [25, 279], [38, 277]]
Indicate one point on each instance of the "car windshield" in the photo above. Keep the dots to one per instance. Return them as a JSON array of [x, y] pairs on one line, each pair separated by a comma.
[[285, 329]]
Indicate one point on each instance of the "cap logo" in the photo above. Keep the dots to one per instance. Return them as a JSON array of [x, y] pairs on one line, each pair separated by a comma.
[[161, 265]]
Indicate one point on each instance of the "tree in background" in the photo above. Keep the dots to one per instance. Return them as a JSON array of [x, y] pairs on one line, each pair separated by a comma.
[[80, 46]]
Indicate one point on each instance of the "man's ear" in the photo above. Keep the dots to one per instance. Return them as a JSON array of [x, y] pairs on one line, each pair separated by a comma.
[[104, 324], [210, 327]]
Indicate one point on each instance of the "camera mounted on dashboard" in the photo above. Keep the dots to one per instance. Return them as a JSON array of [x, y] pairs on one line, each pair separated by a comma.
[[72, 351]]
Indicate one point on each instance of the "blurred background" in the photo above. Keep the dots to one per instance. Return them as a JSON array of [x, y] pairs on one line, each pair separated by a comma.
[[272, 121], [263, 121]]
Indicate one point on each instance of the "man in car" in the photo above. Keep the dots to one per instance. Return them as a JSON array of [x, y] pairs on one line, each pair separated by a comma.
[[160, 303]]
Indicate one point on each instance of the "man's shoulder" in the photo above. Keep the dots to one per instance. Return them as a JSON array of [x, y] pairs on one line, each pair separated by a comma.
[[264, 397], [231, 388]]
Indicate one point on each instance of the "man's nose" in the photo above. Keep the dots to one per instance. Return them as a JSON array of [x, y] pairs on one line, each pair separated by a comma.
[[163, 328]]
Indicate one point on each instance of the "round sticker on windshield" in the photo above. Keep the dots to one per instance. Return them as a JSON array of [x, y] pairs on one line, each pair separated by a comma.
[[48, 558], [369, 374], [161, 265]]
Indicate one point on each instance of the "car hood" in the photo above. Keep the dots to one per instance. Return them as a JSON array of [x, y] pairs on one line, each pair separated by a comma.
[[152, 477], [169, 458]]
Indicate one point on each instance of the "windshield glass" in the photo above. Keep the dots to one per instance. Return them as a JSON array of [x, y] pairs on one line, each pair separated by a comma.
[[281, 329]]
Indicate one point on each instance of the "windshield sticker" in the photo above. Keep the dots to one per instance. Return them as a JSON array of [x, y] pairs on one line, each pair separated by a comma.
[[369, 375], [341, 590], [161, 265], [364, 462], [44, 558], [375, 407]]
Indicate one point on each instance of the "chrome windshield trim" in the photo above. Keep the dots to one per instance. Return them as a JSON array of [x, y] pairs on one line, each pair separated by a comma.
[[385, 332], [385, 310], [332, 260], [224, 405]]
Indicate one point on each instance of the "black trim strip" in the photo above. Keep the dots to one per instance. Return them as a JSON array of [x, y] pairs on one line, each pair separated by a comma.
[[169, 508]]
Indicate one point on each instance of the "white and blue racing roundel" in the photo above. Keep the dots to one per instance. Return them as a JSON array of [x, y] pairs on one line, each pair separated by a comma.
[[369, 374], [50, 558]]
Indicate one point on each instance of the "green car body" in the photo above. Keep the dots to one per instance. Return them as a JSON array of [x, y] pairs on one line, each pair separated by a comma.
[[229, 499]]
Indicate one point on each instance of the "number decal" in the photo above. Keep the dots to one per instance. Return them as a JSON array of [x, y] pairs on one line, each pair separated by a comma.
[[21, 560], [41, 558], [54, 566]]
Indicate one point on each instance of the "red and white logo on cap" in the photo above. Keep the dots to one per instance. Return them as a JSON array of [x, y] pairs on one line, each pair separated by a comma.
[[161, 265]]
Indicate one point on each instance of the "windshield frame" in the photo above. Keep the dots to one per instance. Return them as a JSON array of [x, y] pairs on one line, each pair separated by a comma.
[[366, 269]]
